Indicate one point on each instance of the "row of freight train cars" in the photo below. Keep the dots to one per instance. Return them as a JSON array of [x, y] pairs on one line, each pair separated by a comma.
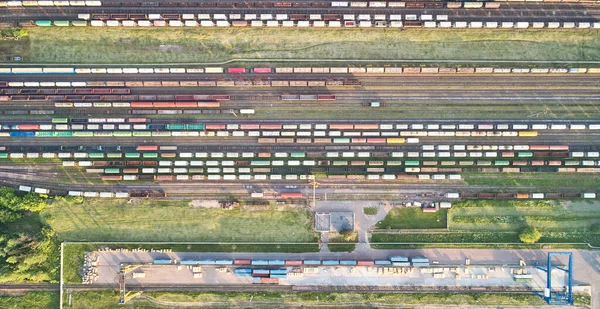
[[285, 70], [377, 23], [416, 127], [97, 97], [214, 83], [400, 261], [261, 4]]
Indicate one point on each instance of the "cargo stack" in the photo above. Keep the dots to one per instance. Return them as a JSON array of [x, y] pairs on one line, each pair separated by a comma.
[[419, 262]]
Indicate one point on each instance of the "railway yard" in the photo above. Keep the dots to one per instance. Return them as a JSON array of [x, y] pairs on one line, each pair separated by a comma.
[[252, 175]]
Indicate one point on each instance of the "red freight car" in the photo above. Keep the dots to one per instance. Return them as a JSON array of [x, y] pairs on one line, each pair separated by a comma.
[[326, 97], [242, 262], [236, 70], [147, 147], [186, 104], [163, 104], [209, 104], [341, 126], [215, 127], [141, 104], [220, 97], [137, 120], [291, 195]]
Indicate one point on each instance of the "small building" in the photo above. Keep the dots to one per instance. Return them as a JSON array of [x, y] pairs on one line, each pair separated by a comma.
[[334, 221]]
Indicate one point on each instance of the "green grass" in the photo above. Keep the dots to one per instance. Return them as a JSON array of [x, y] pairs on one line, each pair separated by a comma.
[[370, 211], [498, 221], [341, 247], [539, 180], [74, 253], [413, 218], [170, 45], [30, 300], [150, 220], [108, 299]]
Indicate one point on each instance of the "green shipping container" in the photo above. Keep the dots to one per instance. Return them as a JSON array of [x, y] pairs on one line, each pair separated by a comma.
[[79, 23], [297, 154], [96, 155], [411, 163], [114, 155], [83, 133], [142, 133], [122, 133], [194, 126], [62, 133], [176, 126], [341, 140], [112, 170], [150, 155], [525, 154], [61, 23], [60, 120], [501, 162], [132, 155], [43, 23]]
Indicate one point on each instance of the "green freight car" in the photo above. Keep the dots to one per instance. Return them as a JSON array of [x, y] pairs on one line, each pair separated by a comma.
[[501, 162], [79, 23], [132, 155], [43, 23], [96, 155], [142, 133], [61, 23], [411, 163], [195, 126], [525, 154], [298, 154], [114, 155], [112, 170], [60, 120], [175, 126], [150, 155]]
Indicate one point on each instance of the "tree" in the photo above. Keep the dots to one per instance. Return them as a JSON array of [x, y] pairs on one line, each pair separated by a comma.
[[530, 235]]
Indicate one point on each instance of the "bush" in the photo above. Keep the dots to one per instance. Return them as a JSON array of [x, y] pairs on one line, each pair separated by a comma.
[[530, 235]]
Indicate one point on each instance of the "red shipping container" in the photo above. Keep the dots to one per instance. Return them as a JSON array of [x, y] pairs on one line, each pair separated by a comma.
[[539, 147], [291, 195], [271, 126], [163, 104], [186, 104], [215, 127], [141, 104], [242, 262], [249, 126], [341, 126], [209, 104], [262, 70], [236, 70], [376, 140], [221, 97]]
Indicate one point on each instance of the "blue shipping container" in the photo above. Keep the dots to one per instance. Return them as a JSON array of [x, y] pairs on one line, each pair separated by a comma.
[[243, 274], [206, 262], [419, 260], [383, 262], [420, 264], [22, 134], [278, 271], [347, 262], [260, 271], [224, 262], [398, 259], [189, 262], [331, 262], [278, 276], [276, 262], [162, 262], [312, 262], [260, 262], [401, 264]]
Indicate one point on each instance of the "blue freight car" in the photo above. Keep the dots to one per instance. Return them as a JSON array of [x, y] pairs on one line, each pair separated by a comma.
[[420, 264], [260, 271], [260, 262], [21, 134], [383, 262], [206, 262], [276, 262], [401, 264], [162, 262], [312, 262], [278, 276], [331, 262], [398, 259], [278, 271], [419, 260], [224, 262], [189, 262], [347, 262]]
